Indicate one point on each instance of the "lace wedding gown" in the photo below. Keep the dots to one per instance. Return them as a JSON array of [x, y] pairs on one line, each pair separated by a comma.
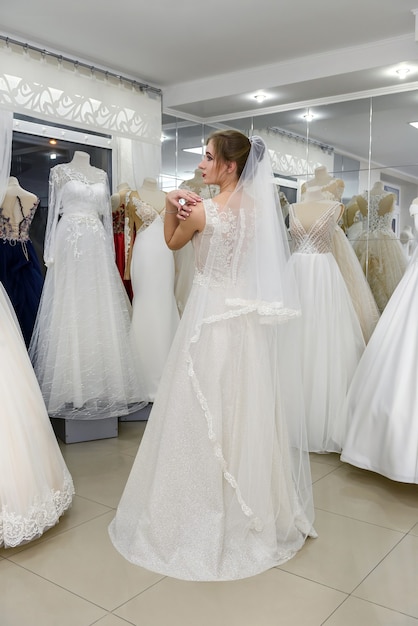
[[380, 252], [332, 341], [220, 489], [382, 404], [81, 349], [35, 484], [155, 316]]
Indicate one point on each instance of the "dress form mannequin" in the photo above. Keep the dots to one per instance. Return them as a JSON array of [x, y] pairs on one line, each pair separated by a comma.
[[20, 270], [198, 185], [332, 188], [313, 206], [150, 194], [119, 196], [352, 219], [81, 163]]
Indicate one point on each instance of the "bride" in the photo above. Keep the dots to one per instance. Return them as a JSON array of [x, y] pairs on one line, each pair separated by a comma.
[[221, 487]]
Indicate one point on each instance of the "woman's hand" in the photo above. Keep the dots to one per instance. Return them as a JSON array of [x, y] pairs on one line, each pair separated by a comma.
[[183, 201]]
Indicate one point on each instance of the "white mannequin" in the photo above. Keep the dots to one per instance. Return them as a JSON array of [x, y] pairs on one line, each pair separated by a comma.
[[14, 190], [322, 179], [150, 194], [119, 196], [198, 185], [377, 189], [81, 163], [313, 206]]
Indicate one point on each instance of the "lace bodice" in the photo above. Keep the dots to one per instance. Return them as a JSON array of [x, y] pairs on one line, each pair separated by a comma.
[[373, 221], [218, 240], [14, 224], [316, 240], [118, 216]]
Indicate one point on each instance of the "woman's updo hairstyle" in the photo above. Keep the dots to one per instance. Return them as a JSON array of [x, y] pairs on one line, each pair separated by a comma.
[[231, 146]]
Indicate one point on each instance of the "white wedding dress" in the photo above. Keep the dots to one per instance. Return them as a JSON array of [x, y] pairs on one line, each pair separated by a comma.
[[381, 412], [220, 488], [80, 348], [155, 316], [332, 341], [35, 485]]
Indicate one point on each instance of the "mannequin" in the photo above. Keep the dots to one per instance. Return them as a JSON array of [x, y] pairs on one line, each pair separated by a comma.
[[331, 335], [198, 185], [378, 249], [81, 349], [20, 271], [150, 194], [150, 266], [119, 226], [332, 188], [352, 220], [382, 403]]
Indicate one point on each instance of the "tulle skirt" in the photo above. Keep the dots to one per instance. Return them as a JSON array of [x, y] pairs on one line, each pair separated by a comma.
[[331, 345], [220, 489], [381, 412], [80, 348], [155, 315], [383, 261], [35, 484]]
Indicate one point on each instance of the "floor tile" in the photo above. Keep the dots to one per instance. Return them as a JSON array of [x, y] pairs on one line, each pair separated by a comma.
[[326, 459], [84, 561], [394, 582], [81, 511], [414, 530], [29, 600], [368, 497], [112, 620], [345, 551], [354, 611], [270, 599], [319, 470]]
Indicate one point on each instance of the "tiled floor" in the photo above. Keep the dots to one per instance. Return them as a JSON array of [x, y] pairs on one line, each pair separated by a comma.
[[361, 571]]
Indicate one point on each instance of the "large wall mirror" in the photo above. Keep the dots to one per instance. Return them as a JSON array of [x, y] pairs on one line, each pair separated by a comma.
[[369, 144]]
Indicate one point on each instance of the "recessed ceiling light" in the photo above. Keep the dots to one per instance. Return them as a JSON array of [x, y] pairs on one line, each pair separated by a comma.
[[197, 150], [403, 72], [308, 116], [260, 97], [414, 124]]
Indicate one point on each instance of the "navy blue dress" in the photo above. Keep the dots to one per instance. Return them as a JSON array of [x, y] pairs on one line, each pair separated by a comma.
[[20, 271]]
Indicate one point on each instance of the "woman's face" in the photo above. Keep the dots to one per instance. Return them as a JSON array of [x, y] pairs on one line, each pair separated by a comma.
[[212, 170]]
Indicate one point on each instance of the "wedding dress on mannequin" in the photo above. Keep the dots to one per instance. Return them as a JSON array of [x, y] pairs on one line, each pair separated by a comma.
[[155, 316], [81, 348], [381, 409], [35, 485], [332, 339]]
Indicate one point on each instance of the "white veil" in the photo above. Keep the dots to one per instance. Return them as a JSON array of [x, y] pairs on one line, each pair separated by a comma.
[[247, 323]]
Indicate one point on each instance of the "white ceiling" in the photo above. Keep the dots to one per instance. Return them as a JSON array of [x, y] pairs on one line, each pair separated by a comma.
[[210, 57]]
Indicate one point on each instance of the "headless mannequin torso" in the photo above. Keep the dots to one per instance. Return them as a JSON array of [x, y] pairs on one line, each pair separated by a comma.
[[150, 194], [313, 206], [332, 188], [81, 163], [14, 191]]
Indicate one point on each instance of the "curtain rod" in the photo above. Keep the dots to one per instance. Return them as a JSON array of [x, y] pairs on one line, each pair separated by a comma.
[[60, 58]]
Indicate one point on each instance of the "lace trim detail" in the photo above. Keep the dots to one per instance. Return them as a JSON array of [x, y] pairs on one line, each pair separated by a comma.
[[17, 231], [145, 212], [77, 224], [373, 221], [256, 523], [316, 240], [17, 529]]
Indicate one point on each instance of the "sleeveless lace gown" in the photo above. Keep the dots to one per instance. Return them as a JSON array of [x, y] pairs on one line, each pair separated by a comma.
[[380, 253], [382, 404], [20, 272], [211, 494], [35, 484], [81, 349], [332, 340]]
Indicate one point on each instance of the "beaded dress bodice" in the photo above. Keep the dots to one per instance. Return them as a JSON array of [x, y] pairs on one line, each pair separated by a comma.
[[14, 224], [318, 238]]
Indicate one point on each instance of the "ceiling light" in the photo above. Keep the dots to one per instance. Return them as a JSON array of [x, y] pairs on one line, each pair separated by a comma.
[[308, 116], [414, 124], [260, 97], [197, 150], [402, 72], [53, 142], [53, 156]]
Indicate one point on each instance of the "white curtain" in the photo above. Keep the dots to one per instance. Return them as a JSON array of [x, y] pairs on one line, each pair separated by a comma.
[[6, 132]]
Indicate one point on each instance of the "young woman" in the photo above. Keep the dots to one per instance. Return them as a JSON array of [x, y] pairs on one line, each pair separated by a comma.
[[221, 488]]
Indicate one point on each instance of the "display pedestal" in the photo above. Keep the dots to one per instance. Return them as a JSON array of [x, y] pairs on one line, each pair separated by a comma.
[[138, 416], [75, 431]]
